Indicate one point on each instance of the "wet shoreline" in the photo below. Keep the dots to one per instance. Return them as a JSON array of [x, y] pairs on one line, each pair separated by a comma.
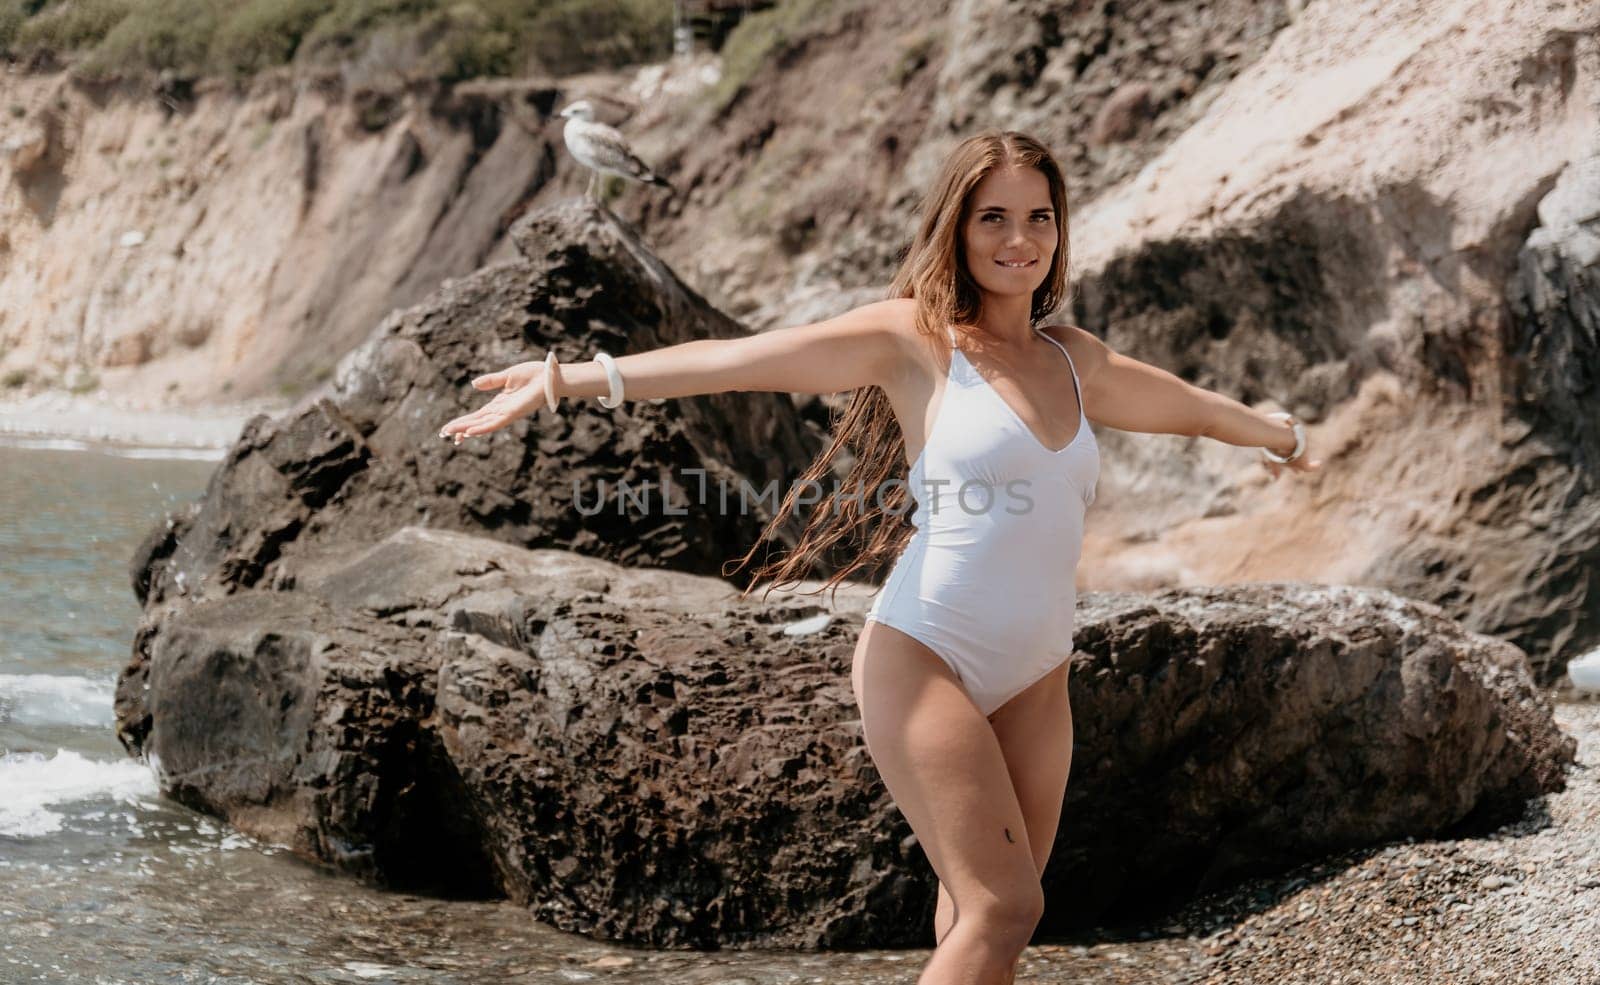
[[68, 422]]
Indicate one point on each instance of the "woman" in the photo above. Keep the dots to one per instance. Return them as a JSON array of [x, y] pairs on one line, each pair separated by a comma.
[[960, 671]]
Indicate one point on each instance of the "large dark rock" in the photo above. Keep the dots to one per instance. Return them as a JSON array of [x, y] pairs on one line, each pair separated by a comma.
[[639, 755], [1232, 731], [348, 467]]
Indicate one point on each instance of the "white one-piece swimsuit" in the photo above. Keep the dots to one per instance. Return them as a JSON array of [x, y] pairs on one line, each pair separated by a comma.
[[987, 580]]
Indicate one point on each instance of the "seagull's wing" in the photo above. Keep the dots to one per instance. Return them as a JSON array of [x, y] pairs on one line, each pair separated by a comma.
[[613, 147]]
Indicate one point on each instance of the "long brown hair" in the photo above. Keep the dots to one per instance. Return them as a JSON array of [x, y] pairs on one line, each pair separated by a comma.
[[935, 273]]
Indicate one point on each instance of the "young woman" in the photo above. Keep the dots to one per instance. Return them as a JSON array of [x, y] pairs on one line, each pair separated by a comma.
[[960, 671]]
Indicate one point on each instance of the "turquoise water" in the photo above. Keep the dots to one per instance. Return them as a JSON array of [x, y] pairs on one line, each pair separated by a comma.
[[103, 881]]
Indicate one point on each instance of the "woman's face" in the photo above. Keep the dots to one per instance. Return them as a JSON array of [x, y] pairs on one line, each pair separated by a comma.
[[1010, 232]]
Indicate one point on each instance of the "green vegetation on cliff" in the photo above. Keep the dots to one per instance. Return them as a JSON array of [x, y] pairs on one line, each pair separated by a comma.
[[753, 42], [444, 39]]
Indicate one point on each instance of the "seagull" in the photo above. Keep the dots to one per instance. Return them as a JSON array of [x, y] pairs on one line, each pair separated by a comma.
[[602, 149]]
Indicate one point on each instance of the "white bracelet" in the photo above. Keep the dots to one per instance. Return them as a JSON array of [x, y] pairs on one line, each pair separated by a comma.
[[550, 398], [1299, 441], [613, 379]]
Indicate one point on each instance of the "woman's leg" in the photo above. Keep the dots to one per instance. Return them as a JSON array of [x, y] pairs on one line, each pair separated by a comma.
[[1035, 733], [943, 766], [944, 913]]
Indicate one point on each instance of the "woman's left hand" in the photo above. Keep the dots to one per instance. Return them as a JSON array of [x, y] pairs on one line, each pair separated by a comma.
[[521, 393]]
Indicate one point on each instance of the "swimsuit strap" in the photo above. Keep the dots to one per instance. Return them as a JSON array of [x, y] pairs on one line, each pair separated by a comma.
[[1076, 388]]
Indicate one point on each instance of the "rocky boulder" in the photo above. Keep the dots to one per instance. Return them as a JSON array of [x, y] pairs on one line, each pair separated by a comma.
[[639, 755], [346, 468], [1228, 732]]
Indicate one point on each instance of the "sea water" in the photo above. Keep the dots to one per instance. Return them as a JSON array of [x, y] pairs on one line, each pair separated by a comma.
[[104, 881]]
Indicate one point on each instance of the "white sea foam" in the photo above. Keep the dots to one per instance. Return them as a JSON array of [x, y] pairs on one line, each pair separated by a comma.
[[187, 454], [84, 421], [53, 699], [33, 784], [106, 448]]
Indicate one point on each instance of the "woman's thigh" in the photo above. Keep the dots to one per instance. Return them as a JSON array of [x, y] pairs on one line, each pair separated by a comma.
[[942, 764], [1034, 730]]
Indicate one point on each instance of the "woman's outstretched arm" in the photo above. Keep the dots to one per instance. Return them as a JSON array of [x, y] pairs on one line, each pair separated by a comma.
[[858, 348], [1124, 393]]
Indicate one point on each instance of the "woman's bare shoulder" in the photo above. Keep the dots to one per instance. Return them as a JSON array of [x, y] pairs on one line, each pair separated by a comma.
[[1067, 334], [897, 313], [901, 313], [1086, 348], [899, 316]]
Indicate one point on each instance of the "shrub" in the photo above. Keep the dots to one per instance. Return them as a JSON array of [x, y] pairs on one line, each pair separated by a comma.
[[352, 21], [445, 39], [71, 25], [12, 15], [157, 35], [574, 35], [264, 33], [469, 43]]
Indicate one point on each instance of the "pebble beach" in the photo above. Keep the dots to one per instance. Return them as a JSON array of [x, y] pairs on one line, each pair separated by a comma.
[[1518, 905]]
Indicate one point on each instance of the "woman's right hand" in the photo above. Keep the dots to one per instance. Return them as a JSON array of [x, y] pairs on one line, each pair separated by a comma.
[[521, 393]]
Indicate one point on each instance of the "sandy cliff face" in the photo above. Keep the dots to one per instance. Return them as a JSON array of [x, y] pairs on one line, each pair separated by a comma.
[[240, 243]]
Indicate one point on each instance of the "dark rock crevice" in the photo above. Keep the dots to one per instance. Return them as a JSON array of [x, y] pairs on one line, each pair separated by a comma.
[[1278, 314]]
